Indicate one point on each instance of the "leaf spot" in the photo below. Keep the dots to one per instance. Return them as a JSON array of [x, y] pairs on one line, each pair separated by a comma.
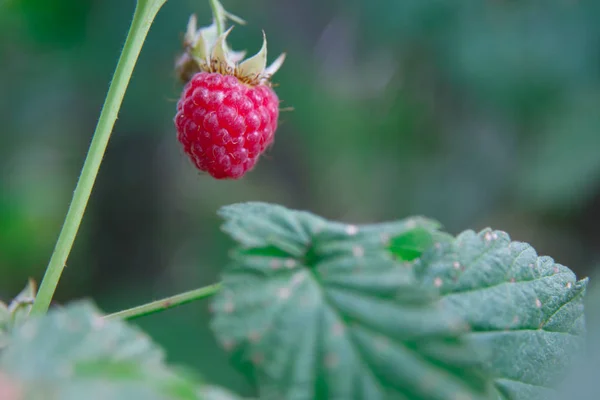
[[382, 344], [307, 301], [228, 307], [319, 228], [29, 331], [385, 239], [538, 303], [65, 371], [456, 265], [337, 329], [258, 358], [228, 344], [488, 236], [275, 264], [358, 251], [556, 270], [298, 279], [331, 360], [462, 396], [569, 285], [427, 381], [254, 337], [351, 230], [437, 282], [284, 293], [98, 322], [290, 263], [458, 325], [514, 322]]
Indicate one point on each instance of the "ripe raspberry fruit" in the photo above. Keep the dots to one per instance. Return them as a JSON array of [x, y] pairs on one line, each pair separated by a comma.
[[227, 115], [224, 125]]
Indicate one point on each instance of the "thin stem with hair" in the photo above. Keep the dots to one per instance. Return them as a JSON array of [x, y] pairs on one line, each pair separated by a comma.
[[144, 15], [166, 303]]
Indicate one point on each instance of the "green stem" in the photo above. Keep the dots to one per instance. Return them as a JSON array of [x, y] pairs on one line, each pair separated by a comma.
[[165, 304], [144, 15], [219, 15]]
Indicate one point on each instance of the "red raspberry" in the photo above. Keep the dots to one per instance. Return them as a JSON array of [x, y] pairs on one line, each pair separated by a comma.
[[227, 114], [224, 124]]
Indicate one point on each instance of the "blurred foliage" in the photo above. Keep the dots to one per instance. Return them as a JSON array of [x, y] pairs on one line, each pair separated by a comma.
[[474, 113], [102, 359]]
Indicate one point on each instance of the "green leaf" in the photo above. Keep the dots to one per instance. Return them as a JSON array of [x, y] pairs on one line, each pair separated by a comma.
[[528, 309], [312, 309], [73, 353]]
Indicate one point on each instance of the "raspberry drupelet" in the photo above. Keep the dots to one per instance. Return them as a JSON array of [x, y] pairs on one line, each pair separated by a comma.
[[227, 114]]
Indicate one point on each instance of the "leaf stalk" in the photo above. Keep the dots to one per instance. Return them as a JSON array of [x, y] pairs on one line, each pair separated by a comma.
[[166, 303]]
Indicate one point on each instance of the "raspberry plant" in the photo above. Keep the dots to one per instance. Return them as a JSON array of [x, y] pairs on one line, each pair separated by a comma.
[[307, 308]]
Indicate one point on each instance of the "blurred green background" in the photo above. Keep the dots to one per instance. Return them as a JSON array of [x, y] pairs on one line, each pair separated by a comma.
[[475, 113]]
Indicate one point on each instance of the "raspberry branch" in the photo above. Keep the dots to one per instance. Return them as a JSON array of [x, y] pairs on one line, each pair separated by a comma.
[[166, 303], [144, 15], [220, 16]]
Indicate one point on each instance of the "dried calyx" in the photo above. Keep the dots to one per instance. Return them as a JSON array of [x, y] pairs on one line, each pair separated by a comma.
[[206, 49]]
